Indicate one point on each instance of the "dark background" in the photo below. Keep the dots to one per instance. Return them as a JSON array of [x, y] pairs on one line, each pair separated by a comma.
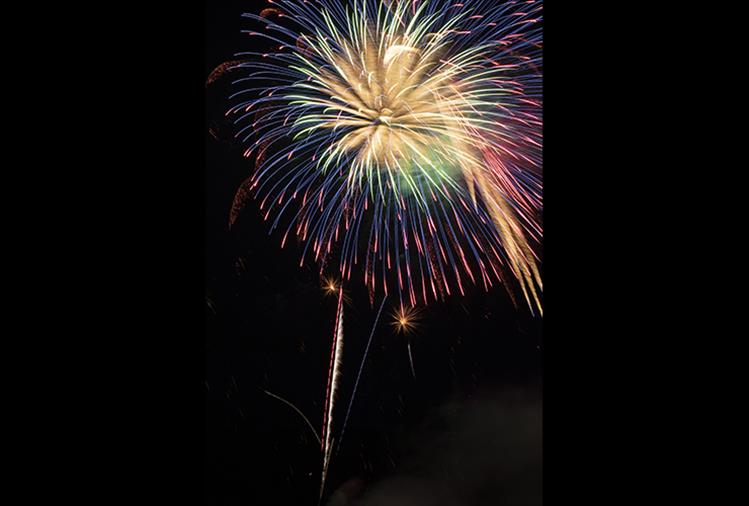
[[466, 430]]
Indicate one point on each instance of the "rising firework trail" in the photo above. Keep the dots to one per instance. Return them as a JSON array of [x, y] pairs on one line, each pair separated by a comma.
[[400, 140], [358, 375], [411, 358], [332, 389]]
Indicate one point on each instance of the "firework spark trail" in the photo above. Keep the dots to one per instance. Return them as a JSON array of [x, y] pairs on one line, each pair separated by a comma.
[[333, 377], [312, 428], [406, 321], [358, 375], [421, 118], [222, 69]]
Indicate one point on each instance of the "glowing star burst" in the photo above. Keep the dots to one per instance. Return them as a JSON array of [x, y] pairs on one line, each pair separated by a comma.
[[406, 320], [404, 134], [330, 286]]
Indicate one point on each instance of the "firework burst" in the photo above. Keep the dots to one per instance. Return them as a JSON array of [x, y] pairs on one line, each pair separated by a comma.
[[406, 320], [401, 139]]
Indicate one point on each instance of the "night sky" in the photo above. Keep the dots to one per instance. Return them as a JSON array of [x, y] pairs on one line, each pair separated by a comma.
[[466, 430]]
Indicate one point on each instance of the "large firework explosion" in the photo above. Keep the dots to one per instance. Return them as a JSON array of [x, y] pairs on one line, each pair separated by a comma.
[[400, 137]]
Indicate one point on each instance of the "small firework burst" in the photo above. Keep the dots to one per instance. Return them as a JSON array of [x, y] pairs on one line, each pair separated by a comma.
[[330, 286], [406, 320]]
